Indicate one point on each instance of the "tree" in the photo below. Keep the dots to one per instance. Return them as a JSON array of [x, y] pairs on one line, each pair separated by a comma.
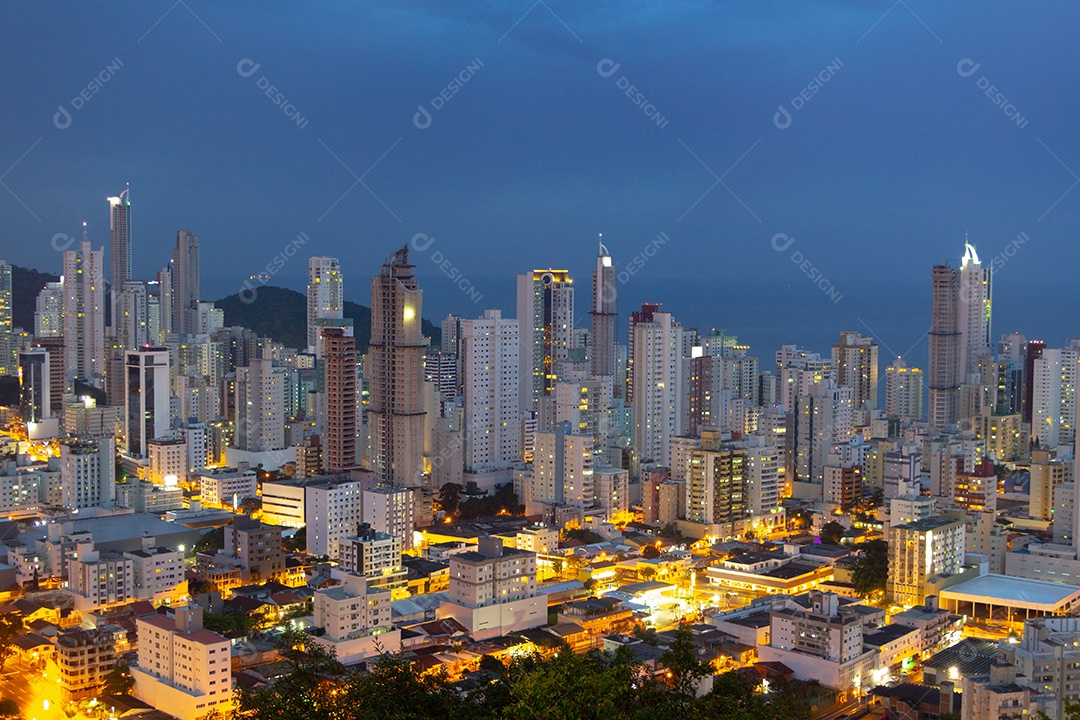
[[211, 542], [119, 681], [250, 504], [650, 551], [449, 497], [685, 669], [646, 634], [10, 627], [871, 571], [297, 542], [9, 708], [832, 532], [581, 534]]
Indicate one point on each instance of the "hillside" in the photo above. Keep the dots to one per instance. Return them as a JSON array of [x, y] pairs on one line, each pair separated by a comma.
[[26, 283], [281, 314]]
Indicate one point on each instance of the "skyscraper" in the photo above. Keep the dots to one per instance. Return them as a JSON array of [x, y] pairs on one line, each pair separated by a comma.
[[604, 313], [8, 350], [340, 394], [903, 391], [489, 350], [35, 393], [165, 302], [119, 249], [944, 341], [185, 282], [974, 309], [84, 314], [130, 315], [49, 310], [396, 350], [855, 362], [545, 309], [658, 384], [147, 398], [325, 297], [260, 406]]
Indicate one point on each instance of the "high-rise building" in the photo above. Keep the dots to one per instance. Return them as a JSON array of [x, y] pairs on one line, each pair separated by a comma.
[[87, 472], [390, 510], [49, 311], [340, 398], [260, 403], [119, 249], [903, 391], [974, 309], [855, 364], [183, 668], [396, 351], [84, 314], [146, 398], [822, 420], [35, 385], [325, 297], [1053, 397], [545, 310], [185, 283], [605, 311], [563, 465], [165, 301], [130, 315], [9, 344], [920, 550], [716, 489], [489, 361], [657, 388], [944, 342], [1034, 351]]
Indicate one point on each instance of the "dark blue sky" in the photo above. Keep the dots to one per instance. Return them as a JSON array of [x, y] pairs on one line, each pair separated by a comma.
[[877, 177]]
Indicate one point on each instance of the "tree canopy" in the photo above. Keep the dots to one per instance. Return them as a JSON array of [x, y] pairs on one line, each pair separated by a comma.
[[871, 571]]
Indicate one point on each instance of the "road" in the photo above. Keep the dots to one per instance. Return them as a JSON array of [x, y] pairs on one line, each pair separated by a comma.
[[36, 692]]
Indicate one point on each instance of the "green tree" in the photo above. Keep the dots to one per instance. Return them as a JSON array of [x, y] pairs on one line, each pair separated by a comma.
[[449, 497], [211, 542], [118, 681], [297, 542], [832, 532], [646, 634], [250, 504], [685, 669], [650, 551], [581, 534], [10, 627], [871, 571]]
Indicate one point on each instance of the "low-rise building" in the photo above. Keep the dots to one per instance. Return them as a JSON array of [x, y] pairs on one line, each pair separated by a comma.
[[226, 487], [84, 658], [158, 572], [354, 620]]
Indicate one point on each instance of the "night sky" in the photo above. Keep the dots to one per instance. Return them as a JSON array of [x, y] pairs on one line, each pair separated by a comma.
[[892, 149]]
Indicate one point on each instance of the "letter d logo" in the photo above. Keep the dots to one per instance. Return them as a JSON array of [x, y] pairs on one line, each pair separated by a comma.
[[967, 67], [423, 238], [422, 118], [607, 67], [247, 67], [782, 118], [62, 118]]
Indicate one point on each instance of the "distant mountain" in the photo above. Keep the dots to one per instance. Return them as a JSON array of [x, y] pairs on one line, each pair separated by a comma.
[[281, 314], [26, 283]]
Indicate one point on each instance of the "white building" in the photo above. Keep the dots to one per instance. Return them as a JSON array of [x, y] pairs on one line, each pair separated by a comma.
[[168, 458], [493, 590], [391, 511], [822, 419], [1053, 402], [157, 571], [98, 580], [260, 407], [855, 365], [921, 550], [658, 386], [370, 553], [490, 386], [332, 510], [903, 391], [325, 298], [611, 488], [355, 619], [49, 311], [183, 669], [84, 314], [226, 487], [973, 311], [87, 473], [563, 467]]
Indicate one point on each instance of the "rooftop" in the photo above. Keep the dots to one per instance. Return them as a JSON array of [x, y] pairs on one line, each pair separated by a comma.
[[1023, 593]]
